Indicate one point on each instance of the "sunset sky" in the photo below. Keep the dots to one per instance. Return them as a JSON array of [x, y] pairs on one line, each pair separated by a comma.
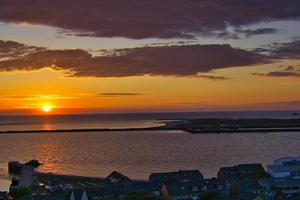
[[91, 56]]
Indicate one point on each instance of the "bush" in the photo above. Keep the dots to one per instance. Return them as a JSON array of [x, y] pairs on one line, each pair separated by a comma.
[[21, 192]]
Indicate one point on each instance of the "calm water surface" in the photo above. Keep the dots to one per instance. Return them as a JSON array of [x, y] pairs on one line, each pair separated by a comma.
[[139, 153]]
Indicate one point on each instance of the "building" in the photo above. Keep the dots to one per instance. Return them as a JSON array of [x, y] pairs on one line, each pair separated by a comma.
[[117, 178], [284, 185], [242, 171], [159, 179], [228, 173], [287, 161], [285, 167], [191, 190]]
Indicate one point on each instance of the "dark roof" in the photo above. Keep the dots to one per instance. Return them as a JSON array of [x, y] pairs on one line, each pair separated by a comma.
[[177, 175], [251, 167], [241, 171], [117, 178], [228, 173]]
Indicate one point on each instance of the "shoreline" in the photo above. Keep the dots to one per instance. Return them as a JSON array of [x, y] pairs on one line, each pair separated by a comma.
[[195, 126], [187, 130], [88, 130]]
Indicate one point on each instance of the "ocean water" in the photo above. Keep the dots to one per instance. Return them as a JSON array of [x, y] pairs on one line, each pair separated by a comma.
[[137, 153], [125, 120]]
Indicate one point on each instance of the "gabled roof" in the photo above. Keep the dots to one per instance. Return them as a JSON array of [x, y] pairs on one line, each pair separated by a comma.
[[228, 173], [241, 171], [117, 178], [250, 167]]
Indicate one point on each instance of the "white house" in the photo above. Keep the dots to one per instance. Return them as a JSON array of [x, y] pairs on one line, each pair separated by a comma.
[[285, 167]]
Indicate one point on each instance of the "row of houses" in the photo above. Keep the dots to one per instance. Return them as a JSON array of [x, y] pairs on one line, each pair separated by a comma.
[[239, 182]]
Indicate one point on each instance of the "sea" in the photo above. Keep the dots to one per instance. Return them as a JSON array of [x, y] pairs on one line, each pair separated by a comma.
[[137, 153]]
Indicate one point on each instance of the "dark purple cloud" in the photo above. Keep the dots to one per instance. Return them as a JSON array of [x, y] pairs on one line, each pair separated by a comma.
[[9, 49], [259, 31], [279, 74], [146, 18], [286, 50], [185, 60], [213, 77]]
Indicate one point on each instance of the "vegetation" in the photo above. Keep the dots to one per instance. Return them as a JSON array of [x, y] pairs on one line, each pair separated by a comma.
[[235, 189], [260, 175], [21, 192], [135, 196], [141, 196], [212, 196]]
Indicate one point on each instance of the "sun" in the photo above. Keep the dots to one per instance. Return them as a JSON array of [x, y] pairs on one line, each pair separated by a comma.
[[47, 108]]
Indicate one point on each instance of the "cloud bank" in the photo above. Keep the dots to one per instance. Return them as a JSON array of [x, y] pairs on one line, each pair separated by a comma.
[[145, 19], [185, 60]]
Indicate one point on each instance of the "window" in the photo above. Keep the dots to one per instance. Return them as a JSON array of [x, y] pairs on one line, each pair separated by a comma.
[[287, 188], [295, 187], [220, 187], [204, 188], [195, 188]]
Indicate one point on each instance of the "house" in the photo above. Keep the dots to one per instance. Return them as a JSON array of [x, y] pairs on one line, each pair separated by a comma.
[[118, 178], [190, 190], [284, 185], [287, 161], [250, 171], [285, 167], [249, 186], [56, 185], [158, 179], [25, 178], [242, 171], [282, 171], [228, 173], [119, 191], [118, 186]]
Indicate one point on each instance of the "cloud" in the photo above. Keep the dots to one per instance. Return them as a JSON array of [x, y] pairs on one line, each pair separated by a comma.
[[35, 97], [259, 31], [279, 74], [285, 50], [289, 68], [118, 94], [9, 49], [282, 103], [144, 18], [285, 71], [213, 77], [184, 60]]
